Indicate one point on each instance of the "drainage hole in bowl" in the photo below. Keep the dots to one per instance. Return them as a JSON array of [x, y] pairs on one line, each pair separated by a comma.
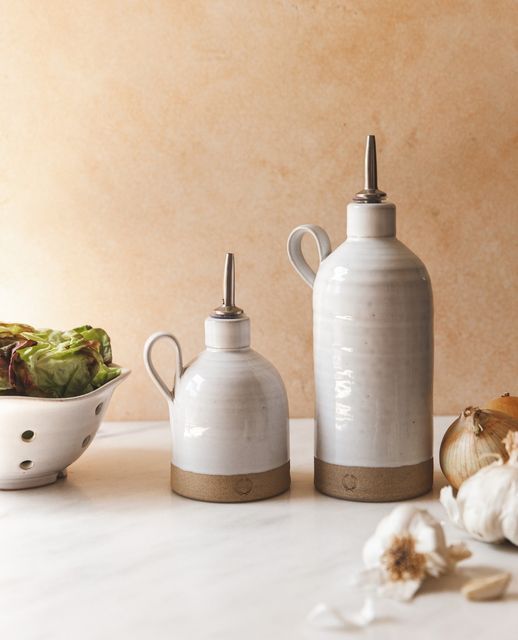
[[28, 435], [86, 441], [98, 409], [26, 464]]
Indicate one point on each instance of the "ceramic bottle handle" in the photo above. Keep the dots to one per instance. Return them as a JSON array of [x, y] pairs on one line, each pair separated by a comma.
[[151, 369], [295, 250]]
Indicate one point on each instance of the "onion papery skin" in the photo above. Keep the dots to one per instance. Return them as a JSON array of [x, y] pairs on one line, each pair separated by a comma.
[[506, 404], [473, 441]]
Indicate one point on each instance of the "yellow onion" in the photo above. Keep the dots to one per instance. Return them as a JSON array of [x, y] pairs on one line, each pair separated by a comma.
[[506, 404], [473, 441]]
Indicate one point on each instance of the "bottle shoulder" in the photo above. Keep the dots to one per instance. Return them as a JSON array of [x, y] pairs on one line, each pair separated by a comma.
[[235, 366], [388, 257]]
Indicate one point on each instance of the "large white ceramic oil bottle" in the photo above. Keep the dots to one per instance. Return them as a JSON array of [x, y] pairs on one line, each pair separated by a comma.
[[373, 354]]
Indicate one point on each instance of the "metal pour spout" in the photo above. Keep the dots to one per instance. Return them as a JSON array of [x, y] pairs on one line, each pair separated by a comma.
[[228, 308], [371, 193]]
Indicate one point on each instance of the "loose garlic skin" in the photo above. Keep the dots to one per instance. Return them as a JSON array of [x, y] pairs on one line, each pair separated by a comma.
[[487, 502], [472, 442]]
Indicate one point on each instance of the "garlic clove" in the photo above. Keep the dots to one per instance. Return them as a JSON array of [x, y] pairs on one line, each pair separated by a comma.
[[510, 512], [365, 615], [403, 518], [429, 536], [447, 499], [471, 510], [437, 564], [397, 520], [458, 552], [487, 588], [482, 499]]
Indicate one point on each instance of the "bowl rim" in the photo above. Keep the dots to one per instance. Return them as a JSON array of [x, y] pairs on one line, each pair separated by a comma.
[[123, 374]]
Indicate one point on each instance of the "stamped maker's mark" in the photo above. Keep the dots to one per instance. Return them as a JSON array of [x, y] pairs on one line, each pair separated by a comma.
[[243, 486], [349, 482]]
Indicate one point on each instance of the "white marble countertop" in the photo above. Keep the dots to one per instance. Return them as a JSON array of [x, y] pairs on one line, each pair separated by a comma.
[[110, 552]]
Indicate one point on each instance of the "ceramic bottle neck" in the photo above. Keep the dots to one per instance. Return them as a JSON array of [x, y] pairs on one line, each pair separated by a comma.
[[228, 333], [377, 220]]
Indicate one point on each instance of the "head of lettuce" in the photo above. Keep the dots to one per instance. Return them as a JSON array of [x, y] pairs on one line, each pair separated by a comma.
[[54, 364]]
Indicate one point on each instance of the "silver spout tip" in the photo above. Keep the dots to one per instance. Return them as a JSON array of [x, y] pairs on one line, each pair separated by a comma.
[[229, 281], [371, 193], [228, 307]]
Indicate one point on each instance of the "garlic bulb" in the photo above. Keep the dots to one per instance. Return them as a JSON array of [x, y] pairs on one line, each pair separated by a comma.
[[487, 503], [471, 442], [407, 547], [506, 403]]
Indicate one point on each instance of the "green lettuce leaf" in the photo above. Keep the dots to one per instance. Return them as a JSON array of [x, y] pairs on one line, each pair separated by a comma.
[[101, 337], [55, 364]]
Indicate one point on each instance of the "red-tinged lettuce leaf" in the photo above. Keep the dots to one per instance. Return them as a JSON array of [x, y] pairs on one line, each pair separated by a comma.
[[10, 337], [10, 333], [13, 329], [5, 360], [100, 337]]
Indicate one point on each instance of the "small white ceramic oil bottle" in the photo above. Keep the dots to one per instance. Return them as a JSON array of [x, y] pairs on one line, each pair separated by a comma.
[[373, 354], [228, 412]]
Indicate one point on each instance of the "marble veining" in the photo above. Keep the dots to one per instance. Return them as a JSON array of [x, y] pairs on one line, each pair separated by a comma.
[[111, 553]]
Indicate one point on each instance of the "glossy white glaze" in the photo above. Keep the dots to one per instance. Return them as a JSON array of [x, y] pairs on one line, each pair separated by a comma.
[[230, 415], [229, 408], [41, 437], [373, 344], [233, 333]]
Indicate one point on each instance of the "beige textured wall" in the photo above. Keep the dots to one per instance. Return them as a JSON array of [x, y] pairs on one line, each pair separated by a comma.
[[142, 140]]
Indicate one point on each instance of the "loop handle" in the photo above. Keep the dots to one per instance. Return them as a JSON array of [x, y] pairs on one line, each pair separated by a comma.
[[295, 250], [151, 369]]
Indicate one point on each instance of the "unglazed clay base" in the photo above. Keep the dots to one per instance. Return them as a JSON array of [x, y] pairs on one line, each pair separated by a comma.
[[374, 484], [234, 488]]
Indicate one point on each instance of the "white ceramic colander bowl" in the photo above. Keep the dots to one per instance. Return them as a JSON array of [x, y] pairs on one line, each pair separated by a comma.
[[41, 437]]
